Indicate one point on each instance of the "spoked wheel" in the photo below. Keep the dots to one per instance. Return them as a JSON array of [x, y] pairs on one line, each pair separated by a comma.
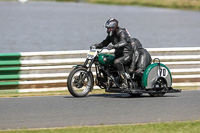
[[80, 82], [159, 83]]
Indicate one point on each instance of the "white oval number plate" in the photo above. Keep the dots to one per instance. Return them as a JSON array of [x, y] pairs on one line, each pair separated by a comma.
[[162, 72]]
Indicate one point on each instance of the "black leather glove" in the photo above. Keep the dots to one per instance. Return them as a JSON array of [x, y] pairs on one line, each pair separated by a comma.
[[110, 46]]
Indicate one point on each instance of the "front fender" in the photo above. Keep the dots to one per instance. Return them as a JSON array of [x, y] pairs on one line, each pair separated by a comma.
[[79, 66]]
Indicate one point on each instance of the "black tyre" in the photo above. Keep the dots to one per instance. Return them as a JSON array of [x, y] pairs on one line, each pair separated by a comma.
[[156, 95], [159, 83], [80, 82], [135, 94]]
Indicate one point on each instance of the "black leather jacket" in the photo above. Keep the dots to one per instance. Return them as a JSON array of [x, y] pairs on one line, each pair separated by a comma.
[[121, 40], [137, 46], [141, 58]]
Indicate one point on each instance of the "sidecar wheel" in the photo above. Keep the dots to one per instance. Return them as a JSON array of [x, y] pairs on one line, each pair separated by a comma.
[[80, 82], [159, 83]]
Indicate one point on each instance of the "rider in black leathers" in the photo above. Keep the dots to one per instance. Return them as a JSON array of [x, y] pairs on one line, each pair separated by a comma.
[[127, 50], [140, 59], [120, 39]]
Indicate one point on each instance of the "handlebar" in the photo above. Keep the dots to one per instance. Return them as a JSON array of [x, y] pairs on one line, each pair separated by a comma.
[[99, 49], [103, 49]]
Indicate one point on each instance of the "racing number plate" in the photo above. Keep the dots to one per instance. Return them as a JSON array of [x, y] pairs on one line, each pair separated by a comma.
[[91, 54], [163, 72]]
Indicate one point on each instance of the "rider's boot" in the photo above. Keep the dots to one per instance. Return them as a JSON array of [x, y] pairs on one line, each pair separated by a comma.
[[131, 70], [122, 75], [124, 84]]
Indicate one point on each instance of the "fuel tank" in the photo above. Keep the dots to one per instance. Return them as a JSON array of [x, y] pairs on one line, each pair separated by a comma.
[[106, 59]]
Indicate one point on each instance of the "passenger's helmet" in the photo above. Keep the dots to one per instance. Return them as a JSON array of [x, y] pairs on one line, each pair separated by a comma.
[[111, 25]]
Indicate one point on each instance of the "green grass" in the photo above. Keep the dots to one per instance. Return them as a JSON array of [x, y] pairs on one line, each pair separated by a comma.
[[48, 93], [172, 127], [176, 4]]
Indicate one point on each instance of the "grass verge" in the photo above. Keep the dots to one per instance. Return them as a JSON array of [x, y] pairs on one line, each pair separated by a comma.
[[171, 127], [176, 4], [48, 93]]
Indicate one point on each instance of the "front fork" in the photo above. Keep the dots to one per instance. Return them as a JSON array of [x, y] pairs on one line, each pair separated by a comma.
[[89, 71]]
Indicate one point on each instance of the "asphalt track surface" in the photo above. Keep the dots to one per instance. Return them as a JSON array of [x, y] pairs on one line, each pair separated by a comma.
[[108, 109]]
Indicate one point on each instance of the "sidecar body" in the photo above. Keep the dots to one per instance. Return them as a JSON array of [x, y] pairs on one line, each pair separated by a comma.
[[156, 81], [154, 72]]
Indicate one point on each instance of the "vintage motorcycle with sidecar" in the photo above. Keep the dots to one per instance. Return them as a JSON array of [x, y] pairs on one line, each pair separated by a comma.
[[156, 79]]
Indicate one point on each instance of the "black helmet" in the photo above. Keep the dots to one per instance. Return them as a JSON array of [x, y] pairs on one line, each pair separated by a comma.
[[111, 25]]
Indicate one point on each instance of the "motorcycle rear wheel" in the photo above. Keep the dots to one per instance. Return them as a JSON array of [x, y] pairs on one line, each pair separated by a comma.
[[80, 82]]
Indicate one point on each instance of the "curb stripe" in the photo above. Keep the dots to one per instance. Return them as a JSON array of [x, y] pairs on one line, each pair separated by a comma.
[[10, 55], [10, 69], [10, 62], [10, 83], [9, 77]]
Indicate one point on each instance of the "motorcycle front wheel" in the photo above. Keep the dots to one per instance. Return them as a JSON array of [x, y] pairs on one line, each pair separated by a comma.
[[80, 82]]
